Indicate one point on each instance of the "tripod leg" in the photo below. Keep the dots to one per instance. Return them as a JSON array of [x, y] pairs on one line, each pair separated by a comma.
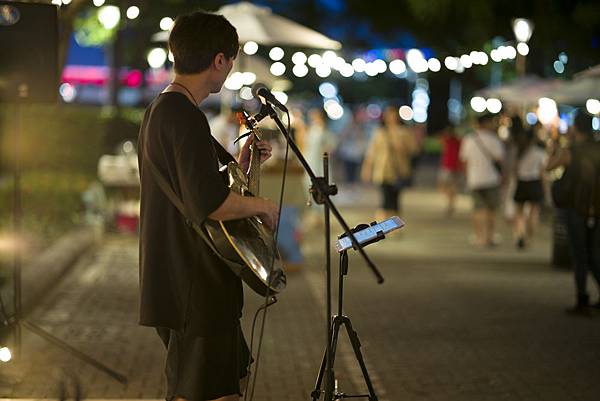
[[75, 352], [330, 383], [354, 340], [316, 393]]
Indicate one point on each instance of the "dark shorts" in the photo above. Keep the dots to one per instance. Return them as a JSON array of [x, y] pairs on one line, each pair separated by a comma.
[[204, 368], [529, 191], [486, 198], [389, 197]]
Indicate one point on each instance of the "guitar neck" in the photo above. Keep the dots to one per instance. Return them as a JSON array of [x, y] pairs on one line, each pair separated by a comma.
[[254, 170]]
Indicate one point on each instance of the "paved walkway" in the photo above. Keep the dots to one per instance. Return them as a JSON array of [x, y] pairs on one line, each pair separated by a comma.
[[451, 322]]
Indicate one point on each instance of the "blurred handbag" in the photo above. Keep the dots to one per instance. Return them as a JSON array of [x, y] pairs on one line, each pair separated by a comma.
[[495, 162]]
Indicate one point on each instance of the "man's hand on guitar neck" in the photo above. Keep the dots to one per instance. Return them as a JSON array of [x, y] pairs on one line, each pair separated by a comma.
[[244, 159], [238, 207]]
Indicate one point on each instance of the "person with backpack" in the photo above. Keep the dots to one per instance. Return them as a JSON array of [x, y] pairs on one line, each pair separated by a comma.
[[579, 193]]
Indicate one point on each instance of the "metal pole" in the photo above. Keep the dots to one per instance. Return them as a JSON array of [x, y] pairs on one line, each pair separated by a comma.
[[328, 366], [17, 228]]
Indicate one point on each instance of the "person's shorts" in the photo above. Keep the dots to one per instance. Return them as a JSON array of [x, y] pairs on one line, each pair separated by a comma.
[[204, 368], [529, 191], [448, 177], [486, 198]]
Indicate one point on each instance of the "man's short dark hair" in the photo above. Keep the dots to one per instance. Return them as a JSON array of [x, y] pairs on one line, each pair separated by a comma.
[[198, 37], [583, 123]]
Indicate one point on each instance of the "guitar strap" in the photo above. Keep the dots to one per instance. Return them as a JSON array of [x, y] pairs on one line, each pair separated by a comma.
[[223, 155], [169, 193]]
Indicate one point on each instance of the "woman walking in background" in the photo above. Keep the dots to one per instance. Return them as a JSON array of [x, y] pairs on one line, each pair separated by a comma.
[[530, 161], [387, 162]]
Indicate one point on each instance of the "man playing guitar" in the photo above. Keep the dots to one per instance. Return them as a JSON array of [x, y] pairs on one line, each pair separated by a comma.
[[192, 299]]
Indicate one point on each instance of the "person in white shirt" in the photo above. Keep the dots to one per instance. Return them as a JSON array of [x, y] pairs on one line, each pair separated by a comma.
[[530, 162], [483, 155], [225, 127]]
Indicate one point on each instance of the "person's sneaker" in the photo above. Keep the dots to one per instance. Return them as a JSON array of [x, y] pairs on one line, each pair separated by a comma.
[[579, 310], [520, 243]]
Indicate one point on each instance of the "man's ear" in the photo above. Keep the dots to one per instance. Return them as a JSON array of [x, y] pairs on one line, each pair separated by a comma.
[[220, 61]]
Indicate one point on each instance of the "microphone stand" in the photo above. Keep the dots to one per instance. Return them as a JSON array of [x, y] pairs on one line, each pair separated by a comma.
[[321, 191]]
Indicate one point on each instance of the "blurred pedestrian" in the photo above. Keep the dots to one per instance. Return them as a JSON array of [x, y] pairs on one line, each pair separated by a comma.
[[483, 154], [319, 139], [299, 128], [581, 200], [529, 164], [450, 167], [352, 147], [387, 162], [225, 128]]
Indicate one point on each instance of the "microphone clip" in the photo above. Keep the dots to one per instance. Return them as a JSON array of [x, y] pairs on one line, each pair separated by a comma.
[[264, 112]]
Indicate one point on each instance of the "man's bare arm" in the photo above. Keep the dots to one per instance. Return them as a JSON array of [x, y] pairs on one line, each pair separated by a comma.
[[238, 207]]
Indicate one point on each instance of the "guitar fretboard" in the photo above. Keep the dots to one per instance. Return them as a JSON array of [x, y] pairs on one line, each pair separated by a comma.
[[254, 170]]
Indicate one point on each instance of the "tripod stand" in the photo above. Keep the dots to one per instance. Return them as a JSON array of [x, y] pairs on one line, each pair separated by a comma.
[[17, 321], [339, 320], [322, 191]]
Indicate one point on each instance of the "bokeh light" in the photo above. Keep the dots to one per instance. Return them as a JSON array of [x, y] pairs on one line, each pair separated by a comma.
[[250, 48]]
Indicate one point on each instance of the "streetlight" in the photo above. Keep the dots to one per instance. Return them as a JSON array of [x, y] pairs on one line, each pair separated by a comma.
[[523, 28]]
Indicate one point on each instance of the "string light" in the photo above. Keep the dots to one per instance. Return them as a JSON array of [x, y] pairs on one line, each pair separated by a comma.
[[278, 69], [397, 67], [276, 53], [359, 64], [157, 57], [250, 48], [299, 58], [166, 23], [478, 104], [133, 12], [300, 70]]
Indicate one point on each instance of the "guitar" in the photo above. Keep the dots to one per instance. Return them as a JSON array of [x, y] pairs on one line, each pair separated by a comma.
[[249, 242]]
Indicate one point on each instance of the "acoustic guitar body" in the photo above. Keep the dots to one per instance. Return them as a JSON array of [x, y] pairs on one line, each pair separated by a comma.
[[248, 242]]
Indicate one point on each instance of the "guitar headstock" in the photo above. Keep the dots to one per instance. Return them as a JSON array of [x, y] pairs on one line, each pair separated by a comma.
[[245, 119], [249, 122]]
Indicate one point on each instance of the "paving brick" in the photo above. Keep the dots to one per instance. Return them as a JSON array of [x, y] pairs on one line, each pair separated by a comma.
[[451, 322]]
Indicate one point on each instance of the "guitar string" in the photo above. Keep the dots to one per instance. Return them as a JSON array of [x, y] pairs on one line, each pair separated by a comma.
[[266, 304]]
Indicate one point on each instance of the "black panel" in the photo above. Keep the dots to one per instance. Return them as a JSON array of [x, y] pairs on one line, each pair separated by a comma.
[[28, 52]]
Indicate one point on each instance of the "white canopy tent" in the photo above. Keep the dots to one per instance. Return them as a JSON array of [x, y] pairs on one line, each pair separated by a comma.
[[589, 72], [578, 91], [260, 25], [523, 91]]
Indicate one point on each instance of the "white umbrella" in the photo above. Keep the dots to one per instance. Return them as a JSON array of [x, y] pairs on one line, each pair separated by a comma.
[[260, 25], [588, 73], [578, 91], [523, 91]]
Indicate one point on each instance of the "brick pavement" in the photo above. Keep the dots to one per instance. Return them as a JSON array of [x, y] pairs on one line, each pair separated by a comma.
[[451, 322]]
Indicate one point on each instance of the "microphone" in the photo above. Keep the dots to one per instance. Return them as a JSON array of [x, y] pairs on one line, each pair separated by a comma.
[[259, 89]]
